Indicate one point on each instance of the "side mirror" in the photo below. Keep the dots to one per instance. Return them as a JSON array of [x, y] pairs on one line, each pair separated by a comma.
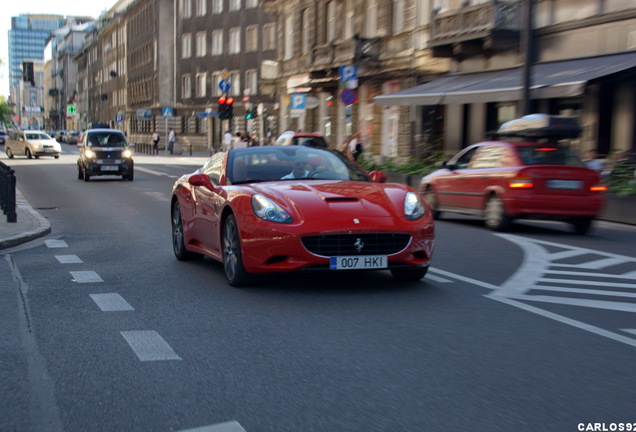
[[378, 176], [201, 180]]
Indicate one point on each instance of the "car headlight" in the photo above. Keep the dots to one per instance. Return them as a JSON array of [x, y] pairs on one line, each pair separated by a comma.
[[267, 209], [90, 154], [126, 153], [413, 207]]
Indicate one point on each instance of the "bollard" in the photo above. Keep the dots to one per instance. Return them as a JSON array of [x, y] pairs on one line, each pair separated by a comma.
[[7, 192]]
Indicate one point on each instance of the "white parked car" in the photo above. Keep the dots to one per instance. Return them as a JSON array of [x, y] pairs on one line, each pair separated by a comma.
[[31, 143]]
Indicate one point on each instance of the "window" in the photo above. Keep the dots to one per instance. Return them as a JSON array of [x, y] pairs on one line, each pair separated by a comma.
[[251, 38], [305, 28], [250, 4], [201, 7], [398, 16], [186, 45], [269, 36], [331, 21], [289, 37], [186, 87], [235, 40], [216, 79], [217, 6], [235, 5], [201, 83], [217, 42], [488, 157], [186, 8], [251, 81], [348, 24], [440, 5], [235, 79], [201, 45]]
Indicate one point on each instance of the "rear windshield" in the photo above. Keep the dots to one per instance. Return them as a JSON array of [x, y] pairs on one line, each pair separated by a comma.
[[548, 155]]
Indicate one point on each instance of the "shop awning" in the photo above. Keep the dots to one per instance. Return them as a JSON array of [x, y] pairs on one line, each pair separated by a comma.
[[565, 78]]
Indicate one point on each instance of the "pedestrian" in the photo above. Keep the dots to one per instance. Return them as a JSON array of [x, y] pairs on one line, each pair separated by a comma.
[[171, 140], [238, 141], [155, 143], [355, 147], [228, 140]]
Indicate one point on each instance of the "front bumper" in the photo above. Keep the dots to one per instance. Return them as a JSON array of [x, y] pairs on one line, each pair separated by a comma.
[[122, 168]]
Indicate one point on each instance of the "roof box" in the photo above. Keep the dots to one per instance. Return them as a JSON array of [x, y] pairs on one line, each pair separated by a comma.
[[541, 125]]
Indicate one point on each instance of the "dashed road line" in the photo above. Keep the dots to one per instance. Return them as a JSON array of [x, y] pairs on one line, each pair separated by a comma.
[[68, 259], [55, 244], [111, 302], [86, 277], [154, 172], [231, 426], [148, 345]]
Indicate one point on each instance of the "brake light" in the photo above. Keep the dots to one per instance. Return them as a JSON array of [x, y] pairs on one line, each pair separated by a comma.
[[598, 188], [520, 183]]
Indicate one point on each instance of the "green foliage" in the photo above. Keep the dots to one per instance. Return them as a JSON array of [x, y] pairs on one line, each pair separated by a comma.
[[408, 166], [5, 111], [622, 181]]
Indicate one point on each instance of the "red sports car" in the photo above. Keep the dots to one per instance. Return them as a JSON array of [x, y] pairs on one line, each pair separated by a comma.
[[283, 208]]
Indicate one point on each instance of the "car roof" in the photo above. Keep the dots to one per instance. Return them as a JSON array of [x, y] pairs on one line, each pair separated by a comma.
[[103, 130]]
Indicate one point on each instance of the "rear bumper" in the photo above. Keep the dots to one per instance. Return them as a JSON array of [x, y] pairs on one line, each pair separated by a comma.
[[554, 207]]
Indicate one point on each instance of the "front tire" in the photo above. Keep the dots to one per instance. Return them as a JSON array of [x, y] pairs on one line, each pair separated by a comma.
[[28, 154], [178, 242], [411, 274], [495, 216], [232, 255], [9, 153]]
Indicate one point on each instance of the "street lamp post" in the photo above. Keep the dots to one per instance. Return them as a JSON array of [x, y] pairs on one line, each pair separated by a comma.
[[527, 49]]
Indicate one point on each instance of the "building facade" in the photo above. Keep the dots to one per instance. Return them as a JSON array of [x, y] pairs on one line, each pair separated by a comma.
[[340, 54], [570, 58]]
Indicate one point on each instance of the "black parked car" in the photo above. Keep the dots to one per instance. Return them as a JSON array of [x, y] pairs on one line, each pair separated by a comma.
[[104, 152]]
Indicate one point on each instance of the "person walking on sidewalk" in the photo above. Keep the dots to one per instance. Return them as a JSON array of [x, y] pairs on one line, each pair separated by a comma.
[[171, 139], [155, 143]]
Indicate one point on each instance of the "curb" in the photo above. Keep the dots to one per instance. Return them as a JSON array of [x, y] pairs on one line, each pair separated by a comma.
[[43, 227]]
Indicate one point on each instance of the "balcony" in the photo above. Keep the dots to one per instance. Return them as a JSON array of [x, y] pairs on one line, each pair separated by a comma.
[[477, 29]]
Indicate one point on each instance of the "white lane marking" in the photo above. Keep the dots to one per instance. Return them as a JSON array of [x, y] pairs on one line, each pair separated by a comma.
[[231, 426], [159, 196], [111, 302], [632, 331], [437, 278], [68, 259], [148, 345], [578, 324], [55, 244], [464, 279], [586, 282], [86, 277], [603, 263], [153, 172], [569, 301], [631, 275], [586, 291]]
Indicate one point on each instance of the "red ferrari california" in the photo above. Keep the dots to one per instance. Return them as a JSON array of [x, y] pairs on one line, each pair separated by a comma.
[[285, 208]]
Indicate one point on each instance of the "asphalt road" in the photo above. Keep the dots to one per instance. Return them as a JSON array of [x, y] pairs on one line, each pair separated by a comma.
[[526, 331]]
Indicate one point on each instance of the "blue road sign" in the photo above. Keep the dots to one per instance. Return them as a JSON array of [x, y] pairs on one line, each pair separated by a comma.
[[348, 73], [224, 85], [298, 101], [167, 112], [119, 118]]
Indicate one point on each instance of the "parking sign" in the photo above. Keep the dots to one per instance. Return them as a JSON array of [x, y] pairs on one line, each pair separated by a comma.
[[348, 73], [298, 101]]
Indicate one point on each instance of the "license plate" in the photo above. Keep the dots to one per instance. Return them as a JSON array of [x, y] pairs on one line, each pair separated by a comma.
[[565, 184], [358, 262], [110, 168]]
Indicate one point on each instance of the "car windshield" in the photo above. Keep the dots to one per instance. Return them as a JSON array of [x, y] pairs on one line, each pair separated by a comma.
[[289, 163], [548, 154], [37, 136], [106, 139]]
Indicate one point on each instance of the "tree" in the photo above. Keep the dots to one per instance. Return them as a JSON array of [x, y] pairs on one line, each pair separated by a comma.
[[5, 111]]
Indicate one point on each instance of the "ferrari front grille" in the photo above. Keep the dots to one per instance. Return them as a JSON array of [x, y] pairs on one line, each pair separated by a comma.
[[356, 244]]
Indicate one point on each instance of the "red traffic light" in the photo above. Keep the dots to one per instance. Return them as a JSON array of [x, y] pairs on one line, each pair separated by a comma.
[[222, 100], [229, 100]]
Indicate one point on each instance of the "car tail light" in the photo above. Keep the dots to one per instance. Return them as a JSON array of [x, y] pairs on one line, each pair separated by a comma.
[[521, 183], [598, 188]]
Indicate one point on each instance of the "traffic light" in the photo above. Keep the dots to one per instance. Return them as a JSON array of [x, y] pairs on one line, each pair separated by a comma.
[[226, 106], [251, 113]]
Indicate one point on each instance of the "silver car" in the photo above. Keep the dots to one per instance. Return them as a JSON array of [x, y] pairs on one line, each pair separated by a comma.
[[31, 143]]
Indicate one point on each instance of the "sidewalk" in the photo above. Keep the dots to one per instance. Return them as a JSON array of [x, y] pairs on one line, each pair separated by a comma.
[[30, 225]]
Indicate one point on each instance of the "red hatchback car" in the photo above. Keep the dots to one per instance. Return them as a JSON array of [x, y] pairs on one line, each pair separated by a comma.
[[528, 174], [268, 209]]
